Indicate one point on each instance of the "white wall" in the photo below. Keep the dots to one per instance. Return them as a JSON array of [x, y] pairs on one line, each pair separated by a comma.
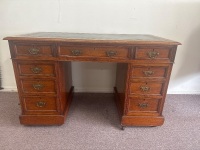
[[174, 19]]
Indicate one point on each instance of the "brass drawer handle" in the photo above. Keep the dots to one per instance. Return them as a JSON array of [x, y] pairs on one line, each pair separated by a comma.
[[38, 86], [40, 104], [111, 53], [34, 51], [76, 52], [148, 73], [36, 70], [143, 105], [145, 88], [153, 54]]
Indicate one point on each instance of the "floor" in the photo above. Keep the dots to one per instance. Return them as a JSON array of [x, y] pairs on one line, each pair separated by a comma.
[[93, 124]]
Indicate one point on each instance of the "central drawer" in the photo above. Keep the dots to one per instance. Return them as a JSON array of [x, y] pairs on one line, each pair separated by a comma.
[[93, 52], [38, 86]]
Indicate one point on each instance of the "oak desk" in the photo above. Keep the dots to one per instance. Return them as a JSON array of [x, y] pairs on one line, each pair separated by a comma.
[[42, 66]]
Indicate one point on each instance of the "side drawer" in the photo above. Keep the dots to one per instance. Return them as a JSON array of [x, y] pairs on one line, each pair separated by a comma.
[[93, 52], [143, 106], [33, 49], [152, 53], [146, 88], [40, 105], [36, 68], [38, 86], [149, 71]]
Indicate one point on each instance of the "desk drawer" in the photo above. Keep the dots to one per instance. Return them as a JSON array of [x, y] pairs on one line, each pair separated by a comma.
[[149, 71], [152, 53], [37, 86], [146, 88], [40, 105], [94, 52], [145, 106], [34, 50], [36, 68]]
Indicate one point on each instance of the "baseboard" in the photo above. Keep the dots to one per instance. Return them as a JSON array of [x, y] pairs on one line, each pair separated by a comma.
[[99, 90], [8, 89], [183, 92], [93, 90], [110, 90]]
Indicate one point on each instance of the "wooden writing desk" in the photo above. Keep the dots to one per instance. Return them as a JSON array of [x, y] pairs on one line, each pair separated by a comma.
[[42, 66]]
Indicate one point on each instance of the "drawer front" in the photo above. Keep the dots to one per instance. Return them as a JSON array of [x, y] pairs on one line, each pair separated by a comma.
[[152, 53], [144, 88], [38, 69], [34, 49], [146, 106], [148, 72], [94, 52], [38, 86], [40, 105]]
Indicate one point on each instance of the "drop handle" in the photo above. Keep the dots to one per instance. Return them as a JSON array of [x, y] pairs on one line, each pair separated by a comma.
[[38, 86], [145, 88], [153, 54], [148, 73], [34, 51], [40, 104], [143, 105], [76, 52], [111, 53], [36, 70]]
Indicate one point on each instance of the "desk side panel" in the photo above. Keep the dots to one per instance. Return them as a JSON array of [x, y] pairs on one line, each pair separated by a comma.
[[65, 83], [120, 89]]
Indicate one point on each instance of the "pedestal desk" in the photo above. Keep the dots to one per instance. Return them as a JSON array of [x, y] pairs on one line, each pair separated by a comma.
[[42, 66]]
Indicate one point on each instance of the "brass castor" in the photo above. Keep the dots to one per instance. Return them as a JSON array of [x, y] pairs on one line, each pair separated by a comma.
[[122, 127]]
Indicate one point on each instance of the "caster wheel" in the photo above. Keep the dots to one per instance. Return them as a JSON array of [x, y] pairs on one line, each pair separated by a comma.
[[122, 128]]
